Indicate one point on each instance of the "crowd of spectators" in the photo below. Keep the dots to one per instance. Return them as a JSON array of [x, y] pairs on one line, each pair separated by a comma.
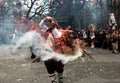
[[103, 38]]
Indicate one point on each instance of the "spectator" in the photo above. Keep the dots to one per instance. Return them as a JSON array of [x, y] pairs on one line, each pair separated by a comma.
[[92, 35]]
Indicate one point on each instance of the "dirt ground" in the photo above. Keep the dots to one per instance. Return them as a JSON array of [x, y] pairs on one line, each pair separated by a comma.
[[15, 69]]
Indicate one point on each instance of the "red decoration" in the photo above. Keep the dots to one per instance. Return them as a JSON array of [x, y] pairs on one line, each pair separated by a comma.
[[49, 3], [26, 3], [107, 26], [14, 3], [81, 1], [61, 2], [93, 1], [37, 3], [113, 1]]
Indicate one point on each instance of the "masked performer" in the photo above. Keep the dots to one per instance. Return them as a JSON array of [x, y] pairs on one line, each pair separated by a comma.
[[64, 46], [52, 65], [64, 42]]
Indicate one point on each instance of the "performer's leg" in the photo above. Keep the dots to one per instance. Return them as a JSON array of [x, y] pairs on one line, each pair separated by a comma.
[[32, 54], [60, 76], [92, 44], [51, 70], [60, 70], [53, 78]]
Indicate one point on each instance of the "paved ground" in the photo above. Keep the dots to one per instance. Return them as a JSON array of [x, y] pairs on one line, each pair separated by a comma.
[[15, 69]]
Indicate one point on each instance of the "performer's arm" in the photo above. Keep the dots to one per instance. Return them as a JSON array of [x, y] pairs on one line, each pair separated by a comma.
[[42, 24]]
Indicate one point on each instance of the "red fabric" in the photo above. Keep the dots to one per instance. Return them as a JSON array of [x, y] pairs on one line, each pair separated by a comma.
[[107, 26], [91, 30]]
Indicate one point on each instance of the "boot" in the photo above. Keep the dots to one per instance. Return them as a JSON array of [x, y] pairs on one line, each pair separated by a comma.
[[53, 78], [92, 45], [60, 76]]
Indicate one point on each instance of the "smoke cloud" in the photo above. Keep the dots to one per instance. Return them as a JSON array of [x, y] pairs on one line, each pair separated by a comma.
[[42, 48]]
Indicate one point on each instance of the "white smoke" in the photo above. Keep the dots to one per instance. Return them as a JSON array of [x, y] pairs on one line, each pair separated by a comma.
[[43, 49], [46, 54]]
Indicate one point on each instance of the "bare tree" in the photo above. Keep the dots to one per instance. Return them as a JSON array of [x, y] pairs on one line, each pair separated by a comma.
[[46, 7]]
